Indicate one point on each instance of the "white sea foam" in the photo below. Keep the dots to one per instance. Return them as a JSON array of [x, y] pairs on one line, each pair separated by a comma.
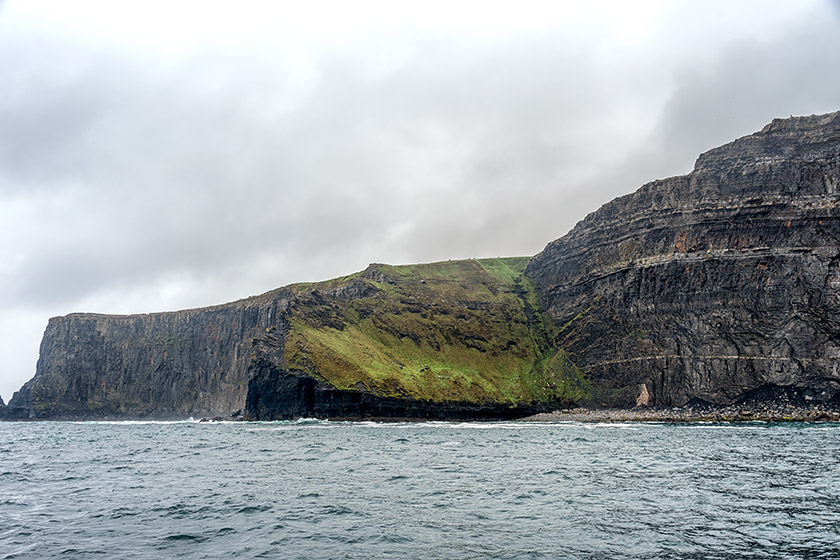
[[134, 422]]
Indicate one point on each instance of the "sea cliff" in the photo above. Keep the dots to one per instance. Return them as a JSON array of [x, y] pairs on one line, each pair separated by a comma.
[[164, 365], [704, 289], [456, 339], [713, 284]]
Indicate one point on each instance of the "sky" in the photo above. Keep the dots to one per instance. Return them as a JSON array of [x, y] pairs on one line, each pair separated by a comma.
[[162, 155]]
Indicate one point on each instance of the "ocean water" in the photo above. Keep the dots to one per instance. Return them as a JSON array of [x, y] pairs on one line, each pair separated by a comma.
[[327, 490]]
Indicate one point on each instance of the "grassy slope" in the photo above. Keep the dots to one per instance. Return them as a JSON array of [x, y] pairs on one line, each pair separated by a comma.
[[448, 331]]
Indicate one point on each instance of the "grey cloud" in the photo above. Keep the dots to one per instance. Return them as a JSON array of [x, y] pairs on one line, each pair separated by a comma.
[[166, 180], [456, 153], [176, 179]]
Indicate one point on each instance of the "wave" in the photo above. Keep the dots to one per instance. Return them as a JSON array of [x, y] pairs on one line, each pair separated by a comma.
[[189, 420]]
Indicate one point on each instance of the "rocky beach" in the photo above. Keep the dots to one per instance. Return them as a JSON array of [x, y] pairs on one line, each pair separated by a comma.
[[762, 413]]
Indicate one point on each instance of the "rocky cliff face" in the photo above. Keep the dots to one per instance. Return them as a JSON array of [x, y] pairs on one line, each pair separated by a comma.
[[713, 284], [458, 339], [163, 365]]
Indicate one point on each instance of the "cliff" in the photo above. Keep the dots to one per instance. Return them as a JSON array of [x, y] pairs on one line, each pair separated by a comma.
[[710, 285], [716, 286], [456, 339], [459, 339], [166, 365]]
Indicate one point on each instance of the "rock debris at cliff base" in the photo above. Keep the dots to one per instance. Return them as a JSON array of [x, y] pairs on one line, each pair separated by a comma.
[[763, 413]]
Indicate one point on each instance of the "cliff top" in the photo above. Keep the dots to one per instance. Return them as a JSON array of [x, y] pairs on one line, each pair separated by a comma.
[[342, 286], [810, 122], [795, 139], [782, 137]]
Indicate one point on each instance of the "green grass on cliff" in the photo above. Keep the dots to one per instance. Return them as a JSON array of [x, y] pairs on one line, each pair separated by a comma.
[[449, 331]]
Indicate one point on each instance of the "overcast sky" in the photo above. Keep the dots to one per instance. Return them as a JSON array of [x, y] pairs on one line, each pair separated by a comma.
[[164, 155]]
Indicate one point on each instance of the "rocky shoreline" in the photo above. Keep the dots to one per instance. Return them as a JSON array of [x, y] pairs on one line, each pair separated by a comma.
[[705, 413], [778, 411]]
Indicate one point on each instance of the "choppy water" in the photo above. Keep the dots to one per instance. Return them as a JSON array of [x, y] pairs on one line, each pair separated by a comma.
[[425, 490]]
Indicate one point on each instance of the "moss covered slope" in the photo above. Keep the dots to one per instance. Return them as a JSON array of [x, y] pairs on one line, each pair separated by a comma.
[[467, 331]]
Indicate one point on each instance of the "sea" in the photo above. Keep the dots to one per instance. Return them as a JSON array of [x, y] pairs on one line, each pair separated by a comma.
[[364, 490]]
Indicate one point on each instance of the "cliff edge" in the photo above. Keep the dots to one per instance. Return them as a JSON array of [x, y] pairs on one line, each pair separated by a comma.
[[161, 365]]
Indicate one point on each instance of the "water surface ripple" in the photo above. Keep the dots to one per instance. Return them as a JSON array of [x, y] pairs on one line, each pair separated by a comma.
[[323, 490]]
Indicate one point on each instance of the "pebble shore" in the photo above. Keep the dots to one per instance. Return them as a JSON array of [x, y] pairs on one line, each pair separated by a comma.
[[765, 412]]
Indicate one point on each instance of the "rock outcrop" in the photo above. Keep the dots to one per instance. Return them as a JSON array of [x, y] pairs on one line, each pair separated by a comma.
[[164, 365], [276, 393], [713, 284], [709, 288]]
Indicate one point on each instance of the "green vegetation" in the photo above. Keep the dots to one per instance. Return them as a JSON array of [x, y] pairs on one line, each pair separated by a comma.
[[558, 378], [449, 331]]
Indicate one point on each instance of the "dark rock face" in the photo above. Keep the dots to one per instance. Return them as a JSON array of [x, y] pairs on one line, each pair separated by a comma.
[[235, 357], [712, 284], [179, 364], [718, 287], [279, 394], [13, 411]]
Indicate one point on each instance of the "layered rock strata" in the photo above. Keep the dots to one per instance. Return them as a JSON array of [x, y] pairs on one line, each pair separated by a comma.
[[712, 284]]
